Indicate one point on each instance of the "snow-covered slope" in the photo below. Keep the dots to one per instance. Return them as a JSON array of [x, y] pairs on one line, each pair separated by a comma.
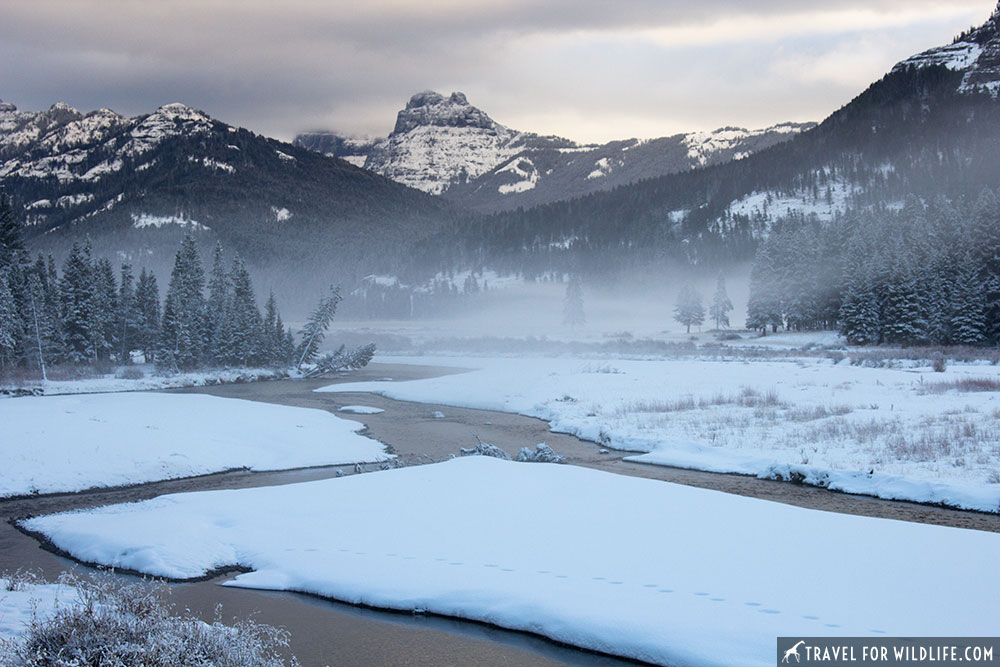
[[444, 145], [976, 53]]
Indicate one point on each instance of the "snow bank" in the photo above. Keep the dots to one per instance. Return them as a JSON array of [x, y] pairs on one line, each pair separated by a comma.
[[361, 410], [147, 378], [68, 443], [887, 432], [639, 568]]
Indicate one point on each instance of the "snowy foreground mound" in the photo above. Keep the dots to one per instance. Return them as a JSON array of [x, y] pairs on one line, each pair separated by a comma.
[[899, 433], [68, 443], [634, 567]]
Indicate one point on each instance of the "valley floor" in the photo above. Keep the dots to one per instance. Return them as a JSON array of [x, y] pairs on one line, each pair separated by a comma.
[[713, 552], [904, 433]]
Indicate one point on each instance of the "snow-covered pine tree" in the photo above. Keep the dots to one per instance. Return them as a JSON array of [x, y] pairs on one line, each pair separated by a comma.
[[688, 309], [11, 236], [147, 312], [10, 323], [126, 318], [969, 313], [272, 334], [764, 304], [103, 313], [314, 331], [182, 327], [721, 304], [860, 323], [77, 296], [902, 317], [218, 333], [245, 317], [573, 314], [985, 242]]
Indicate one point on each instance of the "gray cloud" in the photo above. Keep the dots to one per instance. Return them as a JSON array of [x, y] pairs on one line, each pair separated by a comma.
[[587, 69]]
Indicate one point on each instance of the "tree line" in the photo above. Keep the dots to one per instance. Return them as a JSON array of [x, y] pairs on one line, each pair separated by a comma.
[[928, 273], [88, 315]]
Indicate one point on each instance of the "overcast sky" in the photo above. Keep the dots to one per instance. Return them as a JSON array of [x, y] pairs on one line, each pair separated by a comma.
[[590, 70]]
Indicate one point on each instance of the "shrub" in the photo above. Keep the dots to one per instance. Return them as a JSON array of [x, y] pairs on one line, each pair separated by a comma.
[[940, 366], [541, 454], [113, 623]]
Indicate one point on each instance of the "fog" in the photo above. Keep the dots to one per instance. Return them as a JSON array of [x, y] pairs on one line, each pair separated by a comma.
[[637, 308]]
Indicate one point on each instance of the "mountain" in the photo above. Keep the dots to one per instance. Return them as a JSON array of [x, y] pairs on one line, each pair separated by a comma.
[[929, 128], [134, 186], [446, 146]]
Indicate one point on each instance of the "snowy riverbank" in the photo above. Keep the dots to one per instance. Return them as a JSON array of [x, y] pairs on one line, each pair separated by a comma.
[[69, 443], [900, 433], [634, 567]]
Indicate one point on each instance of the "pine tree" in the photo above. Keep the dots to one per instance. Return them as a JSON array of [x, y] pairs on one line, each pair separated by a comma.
[[721, 305], [969, 309], [573, 314], [315, 329], [77, 295], [985, 241], [104, 307], [689, 309], [182, 327], [126, 317], [147, 311], [219, 331], [245, 318], [764, 305], [11, 236], [272, 334], [10, 323]]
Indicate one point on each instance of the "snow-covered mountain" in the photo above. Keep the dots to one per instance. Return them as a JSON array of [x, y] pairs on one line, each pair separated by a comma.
[[975, 53], [446, 146], [135, 185]]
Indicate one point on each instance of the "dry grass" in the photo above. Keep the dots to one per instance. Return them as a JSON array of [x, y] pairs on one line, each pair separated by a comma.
[[961, 385], [113, 623]]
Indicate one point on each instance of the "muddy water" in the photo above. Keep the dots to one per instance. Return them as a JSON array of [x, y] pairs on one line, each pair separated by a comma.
[[325, 632]]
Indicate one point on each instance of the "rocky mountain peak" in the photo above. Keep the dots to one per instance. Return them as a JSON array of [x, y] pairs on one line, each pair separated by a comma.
[[976, 53], [432, 109]]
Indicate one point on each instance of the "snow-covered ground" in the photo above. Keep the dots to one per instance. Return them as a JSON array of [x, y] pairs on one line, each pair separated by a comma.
[[903, 433], [68, 443], [28, 601], [145, 378], [640, 568]]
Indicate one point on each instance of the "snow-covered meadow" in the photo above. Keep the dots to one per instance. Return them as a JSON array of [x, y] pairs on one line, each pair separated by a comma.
[[904, 433], [634, 567], [68, 443]]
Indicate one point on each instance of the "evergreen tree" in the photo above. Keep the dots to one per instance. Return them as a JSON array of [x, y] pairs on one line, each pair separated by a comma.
[[126, 317], [969, 309], [721, 305], [11, 236], [689, 309], [244, 319], [764, 305], [147, 312], [104, 307], [10, 323], [573, 314], [315, 329], [272, 335], [182, 327], [77, 295], [219, 330]]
